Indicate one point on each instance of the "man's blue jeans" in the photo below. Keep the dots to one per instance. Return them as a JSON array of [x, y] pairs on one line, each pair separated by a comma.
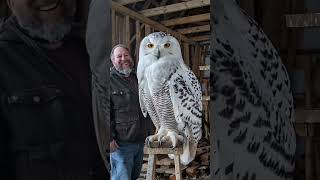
[[126, 161]]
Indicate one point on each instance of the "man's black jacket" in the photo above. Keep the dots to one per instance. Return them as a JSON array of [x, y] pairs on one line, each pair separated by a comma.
[[46, 126], [127, 121]]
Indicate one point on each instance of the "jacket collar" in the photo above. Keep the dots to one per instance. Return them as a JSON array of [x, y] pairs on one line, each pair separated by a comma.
[[5, 33], [114, 71]]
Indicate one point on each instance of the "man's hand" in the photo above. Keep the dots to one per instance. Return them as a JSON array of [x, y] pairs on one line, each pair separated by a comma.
[[113, 146]]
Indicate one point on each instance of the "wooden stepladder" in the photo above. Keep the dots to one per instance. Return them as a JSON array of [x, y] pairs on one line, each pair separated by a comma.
[[152, 152]]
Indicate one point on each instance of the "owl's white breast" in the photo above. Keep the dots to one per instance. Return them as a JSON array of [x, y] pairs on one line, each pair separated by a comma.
[[157, 74]]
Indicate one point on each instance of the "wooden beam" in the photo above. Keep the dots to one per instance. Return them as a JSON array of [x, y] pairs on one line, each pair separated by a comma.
[[124, 2], [175, 7], [201, 38], [186, 20], [154, 24], [303, 20], [195, 29]]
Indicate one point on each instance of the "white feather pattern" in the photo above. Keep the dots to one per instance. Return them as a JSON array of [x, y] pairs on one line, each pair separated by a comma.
[[186, 97]]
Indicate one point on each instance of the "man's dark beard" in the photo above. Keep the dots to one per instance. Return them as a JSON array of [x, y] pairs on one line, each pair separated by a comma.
[[49, 32], [126, 72]]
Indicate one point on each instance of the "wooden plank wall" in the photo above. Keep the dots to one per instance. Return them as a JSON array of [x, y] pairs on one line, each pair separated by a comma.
[[129, 31]]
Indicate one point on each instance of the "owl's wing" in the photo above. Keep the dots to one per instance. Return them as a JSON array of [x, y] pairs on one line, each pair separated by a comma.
[[252, 104], [141, 101], [186, 97], [147, 106]]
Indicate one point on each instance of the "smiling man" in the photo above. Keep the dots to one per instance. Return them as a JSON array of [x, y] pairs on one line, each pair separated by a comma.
[[46, 130], [129, 127]]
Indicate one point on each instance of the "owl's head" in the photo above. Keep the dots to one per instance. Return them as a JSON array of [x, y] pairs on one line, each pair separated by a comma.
[[158, 45]]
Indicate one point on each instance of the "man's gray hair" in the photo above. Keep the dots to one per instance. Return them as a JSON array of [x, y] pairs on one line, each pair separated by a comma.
[[116, 46]]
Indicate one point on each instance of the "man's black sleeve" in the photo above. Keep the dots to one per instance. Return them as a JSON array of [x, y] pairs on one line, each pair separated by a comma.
[[98, 41], [4, 141], [112, 124]]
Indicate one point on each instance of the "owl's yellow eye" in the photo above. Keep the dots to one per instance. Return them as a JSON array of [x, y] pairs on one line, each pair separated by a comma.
[[166, 45], [150, 45]]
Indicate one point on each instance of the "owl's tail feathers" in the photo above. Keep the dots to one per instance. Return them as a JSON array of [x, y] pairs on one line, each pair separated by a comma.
[[189, 153]]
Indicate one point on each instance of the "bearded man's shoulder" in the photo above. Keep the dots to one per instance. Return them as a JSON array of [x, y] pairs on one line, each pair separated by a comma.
[[6, 34], [1, 21]]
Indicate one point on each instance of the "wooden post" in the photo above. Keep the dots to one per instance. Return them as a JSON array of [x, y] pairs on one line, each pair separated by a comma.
[[308, 152], [122, 30], [151, 171], [317, 152], [127, 31], [114, 28], [117, 32], [177, 168], [147, 30], [186, 55], [138, 39], [307, 69], [196, 60]]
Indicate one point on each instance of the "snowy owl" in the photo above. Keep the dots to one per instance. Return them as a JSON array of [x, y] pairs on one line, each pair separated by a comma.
[[252, 105], [170, 93]]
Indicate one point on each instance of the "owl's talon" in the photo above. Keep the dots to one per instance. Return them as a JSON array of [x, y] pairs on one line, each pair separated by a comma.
[[148, 141]]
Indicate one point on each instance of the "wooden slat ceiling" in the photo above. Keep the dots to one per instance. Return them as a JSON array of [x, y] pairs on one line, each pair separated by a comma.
[[148, 21], [189, 19], [174, 7]]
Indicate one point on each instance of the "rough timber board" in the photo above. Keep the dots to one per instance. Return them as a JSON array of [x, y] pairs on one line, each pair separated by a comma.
[[201, 38], [307, 116], [194, 29], [124, 2], [175, 7], [187, 20], [163, 150], [303, 20]]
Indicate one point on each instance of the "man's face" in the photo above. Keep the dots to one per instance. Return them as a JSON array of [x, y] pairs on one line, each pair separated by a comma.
[[45, 19], [122, 60]]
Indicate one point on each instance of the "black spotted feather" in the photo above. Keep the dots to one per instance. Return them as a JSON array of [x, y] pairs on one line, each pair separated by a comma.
[[252, 102]]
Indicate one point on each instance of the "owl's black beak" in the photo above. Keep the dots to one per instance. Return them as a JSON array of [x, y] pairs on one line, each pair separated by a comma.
[[158, 53]]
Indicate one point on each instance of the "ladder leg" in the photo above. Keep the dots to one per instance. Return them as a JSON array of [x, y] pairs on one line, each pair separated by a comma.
[[151, 167], [177, 166]]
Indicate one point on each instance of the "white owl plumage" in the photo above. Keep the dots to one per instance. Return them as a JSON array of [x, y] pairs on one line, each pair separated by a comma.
[[252, 105], [170, 93]]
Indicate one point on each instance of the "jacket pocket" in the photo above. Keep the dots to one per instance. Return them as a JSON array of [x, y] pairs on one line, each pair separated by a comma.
[[129, 129], [121, 100], [36, 116]]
